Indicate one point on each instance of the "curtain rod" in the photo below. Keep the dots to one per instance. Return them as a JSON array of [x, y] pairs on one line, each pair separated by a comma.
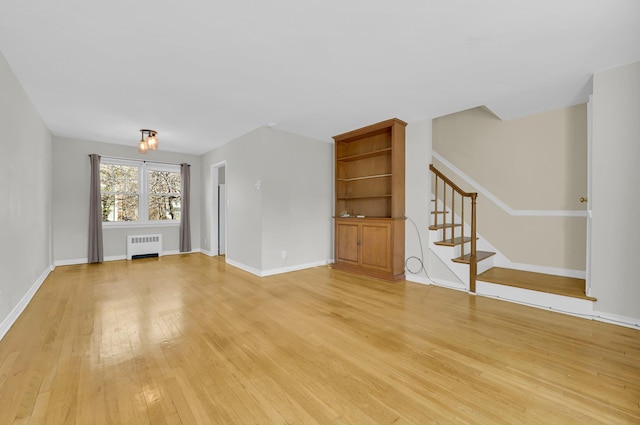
[[139, 160]]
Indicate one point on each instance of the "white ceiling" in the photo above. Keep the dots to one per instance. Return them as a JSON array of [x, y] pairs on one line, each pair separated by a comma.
[[203, 72]]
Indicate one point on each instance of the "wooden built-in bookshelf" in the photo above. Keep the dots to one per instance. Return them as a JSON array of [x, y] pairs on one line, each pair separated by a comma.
[[369, 204]]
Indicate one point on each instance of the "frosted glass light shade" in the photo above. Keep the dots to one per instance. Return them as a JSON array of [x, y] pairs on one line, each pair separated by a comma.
[[152, 142], [143, 147]]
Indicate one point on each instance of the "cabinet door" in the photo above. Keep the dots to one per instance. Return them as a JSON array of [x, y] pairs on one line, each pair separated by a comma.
[[347, 242], [375, 246]]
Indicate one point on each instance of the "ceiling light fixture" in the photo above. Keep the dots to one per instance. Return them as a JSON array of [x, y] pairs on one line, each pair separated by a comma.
[[150, 142]]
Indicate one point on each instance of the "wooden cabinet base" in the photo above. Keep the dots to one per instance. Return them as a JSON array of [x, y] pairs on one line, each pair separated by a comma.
[[370, 246]]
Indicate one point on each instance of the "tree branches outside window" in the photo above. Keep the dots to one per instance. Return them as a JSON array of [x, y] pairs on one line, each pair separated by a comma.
[[119, 192], [164, 195]]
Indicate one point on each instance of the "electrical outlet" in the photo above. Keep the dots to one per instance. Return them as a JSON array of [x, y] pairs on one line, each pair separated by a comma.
[[284, 255]]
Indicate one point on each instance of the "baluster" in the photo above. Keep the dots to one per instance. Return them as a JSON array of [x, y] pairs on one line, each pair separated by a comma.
[[462, 223], [444, 205], [436, 201], [453, 213], [473, 264]]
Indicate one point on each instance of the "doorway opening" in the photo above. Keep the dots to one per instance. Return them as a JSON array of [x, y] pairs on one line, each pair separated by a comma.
[[219, 239]]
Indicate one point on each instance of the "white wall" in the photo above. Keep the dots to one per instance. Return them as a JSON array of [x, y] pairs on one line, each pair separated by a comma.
[[417, 204], [615, 197], [25, 194], [297, 181], [243, 170], [71, 200], [291, 211], [533, 163], [544, 155]]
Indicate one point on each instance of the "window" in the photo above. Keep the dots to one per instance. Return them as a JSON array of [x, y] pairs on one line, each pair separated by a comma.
[[139, 192], [164, 195], [119, 189]]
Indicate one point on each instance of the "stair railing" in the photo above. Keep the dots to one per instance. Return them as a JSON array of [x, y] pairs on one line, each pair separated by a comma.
[[450, 187]]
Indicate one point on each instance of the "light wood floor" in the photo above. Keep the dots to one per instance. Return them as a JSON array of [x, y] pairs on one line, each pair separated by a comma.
[[187, 339], [561, 285]]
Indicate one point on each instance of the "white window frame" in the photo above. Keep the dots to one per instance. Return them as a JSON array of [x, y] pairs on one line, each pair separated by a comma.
[[143, 192]]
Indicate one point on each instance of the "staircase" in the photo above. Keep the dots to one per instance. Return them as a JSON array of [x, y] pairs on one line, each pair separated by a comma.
[[451, 229], [481, 268]]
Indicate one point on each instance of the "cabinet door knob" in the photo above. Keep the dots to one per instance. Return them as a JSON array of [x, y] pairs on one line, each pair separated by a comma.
[[583, 199]]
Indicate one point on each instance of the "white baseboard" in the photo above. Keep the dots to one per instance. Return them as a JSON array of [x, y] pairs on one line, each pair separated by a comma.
[[193, 251], [177, 252], [629, 322], [294, 268], [417, 279], [458, 286], [560, 304], [71, 262], [76, 261], [557, 303], [207, 252], [244, 267], [115, 258], [23, 303], [85, 260], [271, 272], [543, 300]]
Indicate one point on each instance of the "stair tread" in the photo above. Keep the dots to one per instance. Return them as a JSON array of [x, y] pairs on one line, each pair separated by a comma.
[[453, 242], [442, 226], [559, 285], [480, 255], [439, 212]]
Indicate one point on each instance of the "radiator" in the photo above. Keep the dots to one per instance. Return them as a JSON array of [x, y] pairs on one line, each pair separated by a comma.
[[139, 246]]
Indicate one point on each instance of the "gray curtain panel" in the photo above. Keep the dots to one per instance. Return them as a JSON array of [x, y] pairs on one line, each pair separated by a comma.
[[95, 213], [185, 216]]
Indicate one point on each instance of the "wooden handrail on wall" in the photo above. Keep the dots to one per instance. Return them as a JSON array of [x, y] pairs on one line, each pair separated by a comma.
[[450, 187]]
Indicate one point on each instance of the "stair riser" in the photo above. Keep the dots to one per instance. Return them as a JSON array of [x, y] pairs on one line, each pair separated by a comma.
[[457, 250], [457, 231], [446, 253]]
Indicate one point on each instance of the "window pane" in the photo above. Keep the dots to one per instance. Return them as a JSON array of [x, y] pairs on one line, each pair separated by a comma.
[[129, 185], [164, 195], [119, 207], [118, 178], [119, 187], [106, 178], [164, 207], [164, 182], [127, 207], [108, 207]]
